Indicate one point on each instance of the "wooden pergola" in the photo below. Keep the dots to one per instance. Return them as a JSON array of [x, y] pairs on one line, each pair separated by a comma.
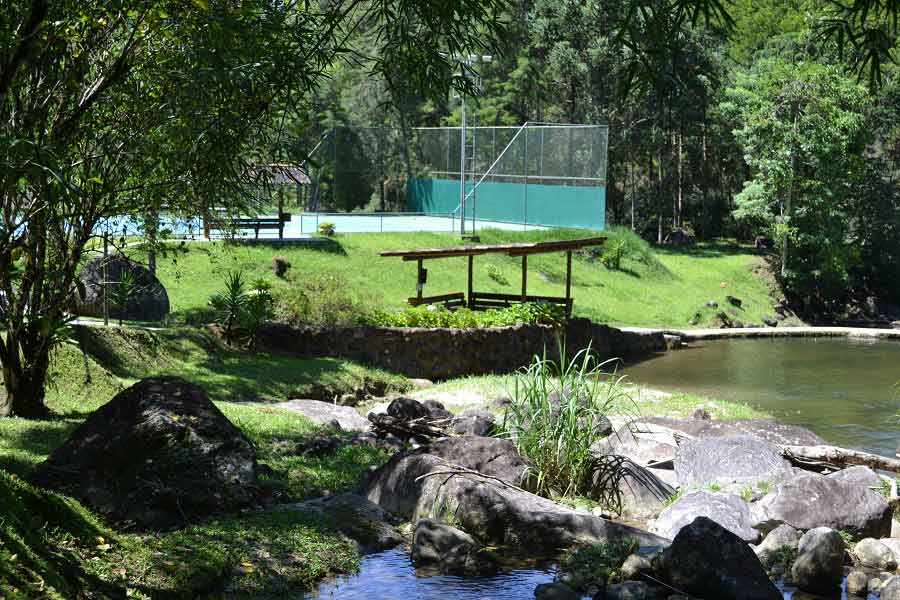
[[483, 300]]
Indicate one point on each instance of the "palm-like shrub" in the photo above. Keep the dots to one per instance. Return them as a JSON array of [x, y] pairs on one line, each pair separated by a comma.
[[558, 412]]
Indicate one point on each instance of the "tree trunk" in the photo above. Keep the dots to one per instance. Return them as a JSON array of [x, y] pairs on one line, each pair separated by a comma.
[[24, 384]]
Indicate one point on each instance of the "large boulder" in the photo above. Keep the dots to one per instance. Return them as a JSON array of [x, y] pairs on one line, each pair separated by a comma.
[[644, 444], [420, 485], [325, 413], [708, 561], [811, 501], [159, 455], [874, 554], [819, 565], [473, 421], [628, 487], [363, 521], [783, 537], [448, 548], [494, 457], [149, 300], [767, 430], [741, 460], [859, 475], [727, 510]]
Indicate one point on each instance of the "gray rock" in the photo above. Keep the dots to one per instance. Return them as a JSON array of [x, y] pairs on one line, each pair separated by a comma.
[[420, 485], [436, 412], [742, 460], [859, 475], [893, 545], [727, 510], [708, 561], [627, 487], [891, 589], [323, 413], [555, 591], [783, 536], [770, 321], [629, 590], [634, 565], [473, 421], [450, 549], [359, 519], [149, 301], [495, 457], [640, 448], [159, 455], [813, 501], [820, 561], [875, 584], [874, 554], [407, 409], [768, 430], [857, 583]]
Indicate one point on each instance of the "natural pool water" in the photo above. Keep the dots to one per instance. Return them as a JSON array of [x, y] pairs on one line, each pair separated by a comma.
[[390, 575], [844, 389]]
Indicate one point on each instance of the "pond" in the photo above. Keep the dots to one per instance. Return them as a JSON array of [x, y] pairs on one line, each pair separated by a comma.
[[390, 575], [844, 389]]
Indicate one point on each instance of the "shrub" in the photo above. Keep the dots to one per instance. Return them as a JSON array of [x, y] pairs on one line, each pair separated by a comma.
[[496, 274], [280, 266], [557, 413], [614, 252], [432, 316], [243, 313], [327, 229], [596, 564], [321, 300]]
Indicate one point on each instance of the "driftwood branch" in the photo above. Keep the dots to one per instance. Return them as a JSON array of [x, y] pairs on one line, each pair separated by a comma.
[[820, 458], [418, 429]]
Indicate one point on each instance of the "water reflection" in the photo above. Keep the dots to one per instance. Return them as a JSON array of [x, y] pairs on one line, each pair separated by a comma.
[[390, 576]]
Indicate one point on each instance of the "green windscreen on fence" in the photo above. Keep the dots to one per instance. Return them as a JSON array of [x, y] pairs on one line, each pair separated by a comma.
[[532, 203], [534, 174]]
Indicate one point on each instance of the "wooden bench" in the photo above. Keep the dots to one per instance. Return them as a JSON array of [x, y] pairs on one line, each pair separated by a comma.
[[254, 223], [454, 300], [486, 300]]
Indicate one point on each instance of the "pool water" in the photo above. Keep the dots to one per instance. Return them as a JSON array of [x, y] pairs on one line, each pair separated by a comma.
[[390, 575], [844, 389]]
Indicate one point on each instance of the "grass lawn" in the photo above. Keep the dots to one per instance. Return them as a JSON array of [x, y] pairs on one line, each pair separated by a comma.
[[654, 287]]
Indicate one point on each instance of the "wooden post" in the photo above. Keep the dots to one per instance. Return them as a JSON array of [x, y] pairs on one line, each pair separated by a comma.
[[419, 284], [568, 284], [280, 214], [471, 264], [524, 277]]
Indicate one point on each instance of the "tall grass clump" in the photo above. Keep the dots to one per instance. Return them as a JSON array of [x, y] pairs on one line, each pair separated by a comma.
[[558, 411]]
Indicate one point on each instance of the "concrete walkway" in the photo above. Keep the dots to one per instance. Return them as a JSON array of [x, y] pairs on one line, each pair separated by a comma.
[[758, 332]]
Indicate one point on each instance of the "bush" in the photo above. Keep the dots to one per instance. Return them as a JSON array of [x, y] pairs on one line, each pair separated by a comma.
[[597, 564], [626, 244], [557, 413], [614, 252], [242, 313], [432, 316], [327, 229], [496, 274], [321, 300], [280, 266]]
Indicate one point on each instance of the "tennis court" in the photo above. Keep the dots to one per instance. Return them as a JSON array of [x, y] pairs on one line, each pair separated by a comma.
[[305, 224]]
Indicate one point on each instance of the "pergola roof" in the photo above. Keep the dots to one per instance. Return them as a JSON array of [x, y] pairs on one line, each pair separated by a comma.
[[513, 249]]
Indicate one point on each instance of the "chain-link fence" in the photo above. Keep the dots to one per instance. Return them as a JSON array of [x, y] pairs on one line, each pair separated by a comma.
[[535, 174]]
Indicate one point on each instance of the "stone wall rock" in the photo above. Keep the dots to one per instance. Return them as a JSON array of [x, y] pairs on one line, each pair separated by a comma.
[[445, 353]]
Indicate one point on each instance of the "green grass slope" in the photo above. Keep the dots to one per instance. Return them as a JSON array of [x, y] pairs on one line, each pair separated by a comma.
[[661, 287]]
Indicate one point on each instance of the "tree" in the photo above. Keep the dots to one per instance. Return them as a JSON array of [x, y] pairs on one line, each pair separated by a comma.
[[803, 131], [130, 108]]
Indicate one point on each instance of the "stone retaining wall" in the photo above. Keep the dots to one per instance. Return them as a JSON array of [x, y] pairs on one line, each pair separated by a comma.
[[446, 353]]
